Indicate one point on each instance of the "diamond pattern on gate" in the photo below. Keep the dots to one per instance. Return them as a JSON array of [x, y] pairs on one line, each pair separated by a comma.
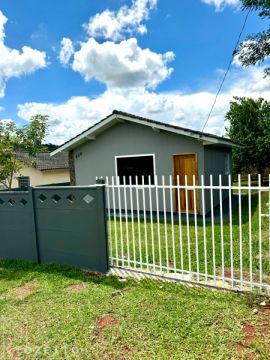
[[88, 199], [71, 198], [23, 201], [42, 198], [56, 198], [11, 202]]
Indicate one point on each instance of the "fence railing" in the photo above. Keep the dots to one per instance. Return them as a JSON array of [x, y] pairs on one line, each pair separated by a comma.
[[211, 231]]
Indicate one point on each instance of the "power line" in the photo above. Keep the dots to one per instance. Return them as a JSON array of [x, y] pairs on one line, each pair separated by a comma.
[[227, 71]]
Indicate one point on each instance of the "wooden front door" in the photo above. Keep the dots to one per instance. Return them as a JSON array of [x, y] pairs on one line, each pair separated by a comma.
[[185, 164]]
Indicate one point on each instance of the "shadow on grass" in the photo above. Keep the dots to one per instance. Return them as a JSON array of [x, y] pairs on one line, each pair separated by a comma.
[[208, 217], [193, 292], [19, 269]]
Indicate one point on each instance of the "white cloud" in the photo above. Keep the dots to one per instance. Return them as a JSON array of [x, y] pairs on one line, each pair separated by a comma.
[[121, 65], [3, 21], [126, 21], [66, 52], [130, 74], [236, 61], [6, 121], [221, 4], [118, 64], [78, 113], [14, 63], [246, 51], [182, 109]]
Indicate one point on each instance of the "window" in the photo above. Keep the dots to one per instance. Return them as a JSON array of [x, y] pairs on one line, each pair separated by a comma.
[[24, 181], [135, 165], [227, 164]]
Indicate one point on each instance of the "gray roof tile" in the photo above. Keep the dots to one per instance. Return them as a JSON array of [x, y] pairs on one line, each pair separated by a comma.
[[43, 161]]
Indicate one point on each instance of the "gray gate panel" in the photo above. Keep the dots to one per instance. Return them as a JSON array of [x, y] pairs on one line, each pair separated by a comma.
[[72, 227], [17, 232]]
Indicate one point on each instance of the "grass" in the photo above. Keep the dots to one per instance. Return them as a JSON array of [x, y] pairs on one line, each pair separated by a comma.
[[205, 261], [41, 319]]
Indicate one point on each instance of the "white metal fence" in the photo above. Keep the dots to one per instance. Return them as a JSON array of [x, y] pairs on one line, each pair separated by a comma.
[[208, 231]]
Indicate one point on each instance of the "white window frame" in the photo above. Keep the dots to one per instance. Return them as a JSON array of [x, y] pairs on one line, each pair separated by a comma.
[[136, 155], [227, 164]]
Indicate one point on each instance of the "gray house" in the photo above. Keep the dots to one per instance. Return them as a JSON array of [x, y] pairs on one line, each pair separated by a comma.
[[127, 146]]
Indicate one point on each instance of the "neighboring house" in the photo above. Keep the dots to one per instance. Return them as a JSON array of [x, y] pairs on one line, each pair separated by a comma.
[[128, 145], [43, 170]]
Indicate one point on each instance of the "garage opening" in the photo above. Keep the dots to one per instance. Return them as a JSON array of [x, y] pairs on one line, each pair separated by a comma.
[[131, 166]]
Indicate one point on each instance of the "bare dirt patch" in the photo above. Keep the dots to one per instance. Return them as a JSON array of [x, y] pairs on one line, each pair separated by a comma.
[[256, 331], [250, 332], [75, 288], [237, 275], [92, 273], [264, 319], [104, 322], [26, 289]]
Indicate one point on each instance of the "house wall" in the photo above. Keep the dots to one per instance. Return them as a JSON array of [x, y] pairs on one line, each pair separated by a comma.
[[97, 157], [214, 160], [45, 177]]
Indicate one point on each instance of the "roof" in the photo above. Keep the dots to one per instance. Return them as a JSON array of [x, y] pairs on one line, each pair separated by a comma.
[[43, 161], [120, 116]]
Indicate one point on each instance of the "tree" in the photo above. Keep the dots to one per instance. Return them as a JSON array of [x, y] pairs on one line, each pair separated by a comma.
[[257, 47], [50, 147], [250, 125], [13, 139]]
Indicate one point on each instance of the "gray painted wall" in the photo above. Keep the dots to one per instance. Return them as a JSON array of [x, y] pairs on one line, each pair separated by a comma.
[[61, 225], [214, 163], [97, 157]]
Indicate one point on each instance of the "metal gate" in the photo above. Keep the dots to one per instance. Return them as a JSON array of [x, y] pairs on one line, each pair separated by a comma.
[[224, 242]]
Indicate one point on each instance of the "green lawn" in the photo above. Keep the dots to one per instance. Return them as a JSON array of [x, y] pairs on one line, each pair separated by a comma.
[[174, 248], [54, 312]]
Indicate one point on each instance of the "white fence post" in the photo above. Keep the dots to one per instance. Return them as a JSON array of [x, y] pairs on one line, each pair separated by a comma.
[[260, 228]]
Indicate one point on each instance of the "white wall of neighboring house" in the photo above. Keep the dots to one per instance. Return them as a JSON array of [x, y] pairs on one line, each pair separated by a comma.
[[44, 177]]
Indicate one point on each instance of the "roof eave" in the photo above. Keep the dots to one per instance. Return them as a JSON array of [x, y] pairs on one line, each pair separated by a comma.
[[223, 143], [54, 168], [90, 133], [82, 138], [199, 137]]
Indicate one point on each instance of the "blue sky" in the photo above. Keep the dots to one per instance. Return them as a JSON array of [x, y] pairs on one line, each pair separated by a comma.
[[158, 58]]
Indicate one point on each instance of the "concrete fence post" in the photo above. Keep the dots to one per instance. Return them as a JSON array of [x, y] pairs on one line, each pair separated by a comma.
[[102, 190], [100, 181], [32, 194]]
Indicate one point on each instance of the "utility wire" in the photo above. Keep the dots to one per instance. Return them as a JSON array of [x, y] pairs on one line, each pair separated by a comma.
[[227, 71]]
